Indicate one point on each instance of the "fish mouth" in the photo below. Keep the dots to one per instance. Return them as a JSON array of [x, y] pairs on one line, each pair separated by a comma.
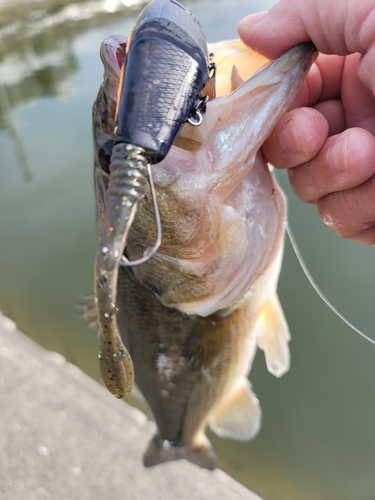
[[215, 242], [223, 213]]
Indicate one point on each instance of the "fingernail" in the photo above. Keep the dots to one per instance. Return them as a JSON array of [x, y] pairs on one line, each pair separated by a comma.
[[253, 19], [285, 136], [337, 156]]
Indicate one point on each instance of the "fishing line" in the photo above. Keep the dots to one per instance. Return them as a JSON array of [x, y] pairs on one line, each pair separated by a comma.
[[317, 289]]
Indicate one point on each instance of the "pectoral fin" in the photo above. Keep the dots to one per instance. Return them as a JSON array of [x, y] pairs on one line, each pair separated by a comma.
[[239, 417], [273, 337]]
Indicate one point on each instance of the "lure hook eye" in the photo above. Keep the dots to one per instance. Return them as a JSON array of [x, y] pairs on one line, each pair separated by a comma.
[[196, 117]]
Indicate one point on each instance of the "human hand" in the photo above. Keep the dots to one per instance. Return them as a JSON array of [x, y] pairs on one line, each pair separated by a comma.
[[329, 147]]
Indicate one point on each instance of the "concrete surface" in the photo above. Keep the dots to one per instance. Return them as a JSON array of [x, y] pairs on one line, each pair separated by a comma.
[[63, 436]]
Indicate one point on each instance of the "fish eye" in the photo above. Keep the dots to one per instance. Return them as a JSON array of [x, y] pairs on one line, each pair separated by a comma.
[[105, 153]]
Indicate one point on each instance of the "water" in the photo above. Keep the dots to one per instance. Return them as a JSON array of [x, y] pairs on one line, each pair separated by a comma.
[[317, 440]]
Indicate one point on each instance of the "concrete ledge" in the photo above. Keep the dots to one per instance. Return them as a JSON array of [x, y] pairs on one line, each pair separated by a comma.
[[63, 436]]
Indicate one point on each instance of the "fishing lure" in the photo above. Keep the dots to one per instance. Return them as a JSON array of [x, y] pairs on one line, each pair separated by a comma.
[[166, 40]]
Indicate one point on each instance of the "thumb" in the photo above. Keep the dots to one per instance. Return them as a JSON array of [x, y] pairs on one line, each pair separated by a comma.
[[335, 27]]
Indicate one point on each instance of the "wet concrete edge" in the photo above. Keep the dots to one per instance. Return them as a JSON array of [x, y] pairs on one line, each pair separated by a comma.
[[63, 436]]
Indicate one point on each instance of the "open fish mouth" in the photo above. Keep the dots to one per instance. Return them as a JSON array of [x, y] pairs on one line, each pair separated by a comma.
[[215, 233], [192, 315]]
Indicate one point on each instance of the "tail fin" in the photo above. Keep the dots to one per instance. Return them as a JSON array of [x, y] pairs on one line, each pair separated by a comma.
[[160, 451]]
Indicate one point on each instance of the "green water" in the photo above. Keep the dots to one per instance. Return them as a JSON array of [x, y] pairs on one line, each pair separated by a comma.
[[317, 440]]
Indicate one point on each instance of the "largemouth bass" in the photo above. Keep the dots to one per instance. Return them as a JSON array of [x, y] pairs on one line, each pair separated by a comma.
[[192, 317]]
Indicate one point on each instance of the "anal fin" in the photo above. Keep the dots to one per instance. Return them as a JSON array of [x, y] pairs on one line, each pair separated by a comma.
[[273, 337], [239, 416]]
